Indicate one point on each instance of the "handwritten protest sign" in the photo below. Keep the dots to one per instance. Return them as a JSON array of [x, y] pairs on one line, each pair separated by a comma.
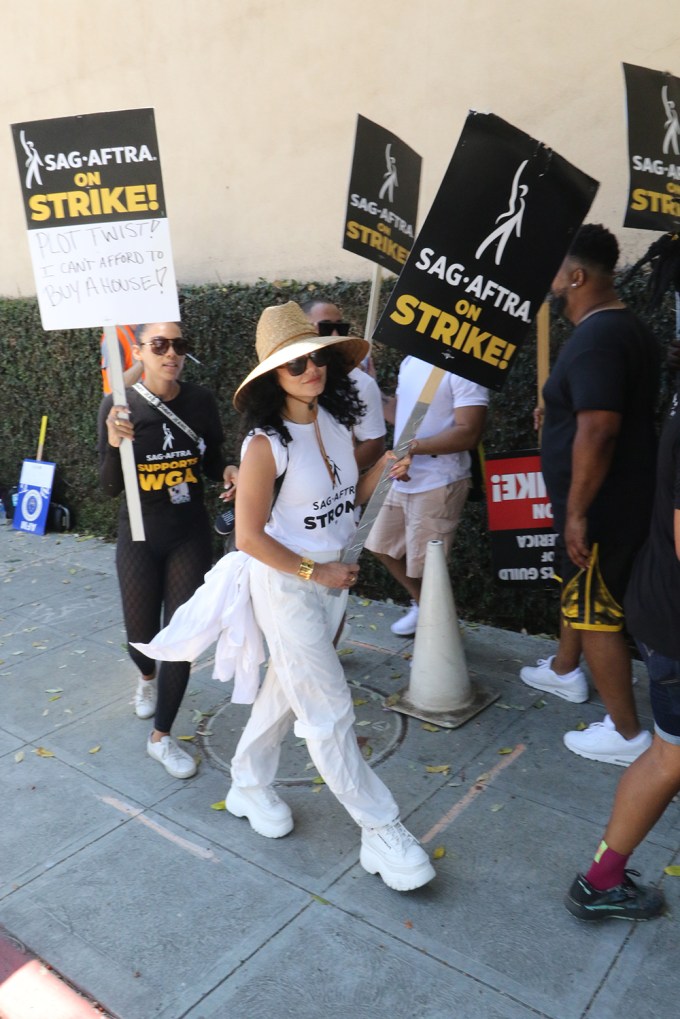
[[97, 226]]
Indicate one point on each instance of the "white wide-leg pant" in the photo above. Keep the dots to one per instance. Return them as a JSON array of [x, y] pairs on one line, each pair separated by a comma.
[[306, 682]]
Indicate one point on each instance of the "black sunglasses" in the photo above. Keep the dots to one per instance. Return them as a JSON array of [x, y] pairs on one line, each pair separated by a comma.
[[161, 344], [327, 328], [299, 364]]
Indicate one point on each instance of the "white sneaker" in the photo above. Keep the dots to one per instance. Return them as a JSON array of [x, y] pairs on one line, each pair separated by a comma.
[[145, 698], [406, 626], [267, 814], [177, 762], [601, 742], [396, 855], [573, 686]]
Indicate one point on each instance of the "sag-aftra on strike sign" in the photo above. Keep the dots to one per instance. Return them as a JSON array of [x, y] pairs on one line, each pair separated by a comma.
[[380, 222], [654, 149], [480, 268]]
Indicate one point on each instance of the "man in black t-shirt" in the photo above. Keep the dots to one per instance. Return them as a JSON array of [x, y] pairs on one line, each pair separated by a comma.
[[598, 455], [652, 607]]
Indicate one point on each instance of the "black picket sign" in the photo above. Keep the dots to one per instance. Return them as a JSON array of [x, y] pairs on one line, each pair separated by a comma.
[[499, 227]]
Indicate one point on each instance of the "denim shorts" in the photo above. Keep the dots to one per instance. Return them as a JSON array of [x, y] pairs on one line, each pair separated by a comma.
[[664, 692]]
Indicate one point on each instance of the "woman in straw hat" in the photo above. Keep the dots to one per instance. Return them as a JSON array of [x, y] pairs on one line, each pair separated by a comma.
[[298, 485]]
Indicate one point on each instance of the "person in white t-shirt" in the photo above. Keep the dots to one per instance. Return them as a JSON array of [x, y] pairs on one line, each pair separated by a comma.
[[369, 429], [429, 505], [297, 487]]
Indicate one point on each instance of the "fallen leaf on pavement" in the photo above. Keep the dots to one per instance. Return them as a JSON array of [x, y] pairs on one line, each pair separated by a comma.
[[95, 750], [439, 852], [42, 752], [438, 769], [218, 806]]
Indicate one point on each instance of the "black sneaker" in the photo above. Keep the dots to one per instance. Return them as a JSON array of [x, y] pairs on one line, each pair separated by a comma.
[[627, 901], [224, 523]]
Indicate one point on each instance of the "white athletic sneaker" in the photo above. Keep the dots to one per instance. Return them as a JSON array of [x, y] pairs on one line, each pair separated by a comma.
[[177, 762], [573, 686], [145, 699], [267, 814], [406, 626], [396, 855], [601, 742]]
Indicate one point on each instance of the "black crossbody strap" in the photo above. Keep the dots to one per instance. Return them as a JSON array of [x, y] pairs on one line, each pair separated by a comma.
[[159, 405]]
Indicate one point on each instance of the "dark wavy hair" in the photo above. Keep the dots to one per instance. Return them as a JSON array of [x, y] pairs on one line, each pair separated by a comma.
[[264, 399], [595, 247]]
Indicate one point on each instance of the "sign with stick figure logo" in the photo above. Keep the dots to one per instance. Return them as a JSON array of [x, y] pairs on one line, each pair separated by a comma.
[[383, 197], [97, 226], [653, 99], [480, 268]]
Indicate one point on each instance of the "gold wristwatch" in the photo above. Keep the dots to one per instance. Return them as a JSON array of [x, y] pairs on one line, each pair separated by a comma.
[[306, 568]]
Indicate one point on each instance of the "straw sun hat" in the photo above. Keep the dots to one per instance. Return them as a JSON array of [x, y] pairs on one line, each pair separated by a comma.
[[283, 333]]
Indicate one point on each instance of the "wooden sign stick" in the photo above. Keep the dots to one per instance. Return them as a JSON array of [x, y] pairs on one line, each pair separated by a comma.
[[127, 455], [352, 552], [373, 301], [542, 354], [41, 437]]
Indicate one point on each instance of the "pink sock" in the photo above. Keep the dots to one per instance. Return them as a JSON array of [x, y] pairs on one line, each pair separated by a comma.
[[607, 868]]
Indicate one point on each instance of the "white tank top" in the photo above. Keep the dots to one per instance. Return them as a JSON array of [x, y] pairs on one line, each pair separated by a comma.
[[311, 514]]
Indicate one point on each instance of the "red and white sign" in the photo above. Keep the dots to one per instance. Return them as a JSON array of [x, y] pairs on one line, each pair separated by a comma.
[[516, 494]]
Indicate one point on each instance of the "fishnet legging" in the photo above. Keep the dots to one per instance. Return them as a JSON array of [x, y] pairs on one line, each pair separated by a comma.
[[156, 576]]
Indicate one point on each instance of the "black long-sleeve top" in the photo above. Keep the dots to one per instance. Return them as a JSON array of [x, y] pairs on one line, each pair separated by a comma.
[[170, 465]]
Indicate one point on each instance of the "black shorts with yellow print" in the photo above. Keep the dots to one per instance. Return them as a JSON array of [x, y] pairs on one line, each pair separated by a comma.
[[592, 598]]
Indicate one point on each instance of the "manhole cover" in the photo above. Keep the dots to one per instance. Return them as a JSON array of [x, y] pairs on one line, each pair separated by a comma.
[[379, 733]]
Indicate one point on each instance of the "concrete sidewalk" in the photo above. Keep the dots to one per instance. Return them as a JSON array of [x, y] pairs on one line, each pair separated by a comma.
[[151, 902]]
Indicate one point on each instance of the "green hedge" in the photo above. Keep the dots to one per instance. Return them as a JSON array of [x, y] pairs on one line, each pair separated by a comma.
[[57, 373]]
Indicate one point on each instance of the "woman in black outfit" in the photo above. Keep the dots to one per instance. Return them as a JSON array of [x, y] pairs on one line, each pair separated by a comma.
[[160, 573]]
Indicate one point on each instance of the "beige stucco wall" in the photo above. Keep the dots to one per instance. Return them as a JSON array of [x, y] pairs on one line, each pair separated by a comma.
[[256, 104]]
